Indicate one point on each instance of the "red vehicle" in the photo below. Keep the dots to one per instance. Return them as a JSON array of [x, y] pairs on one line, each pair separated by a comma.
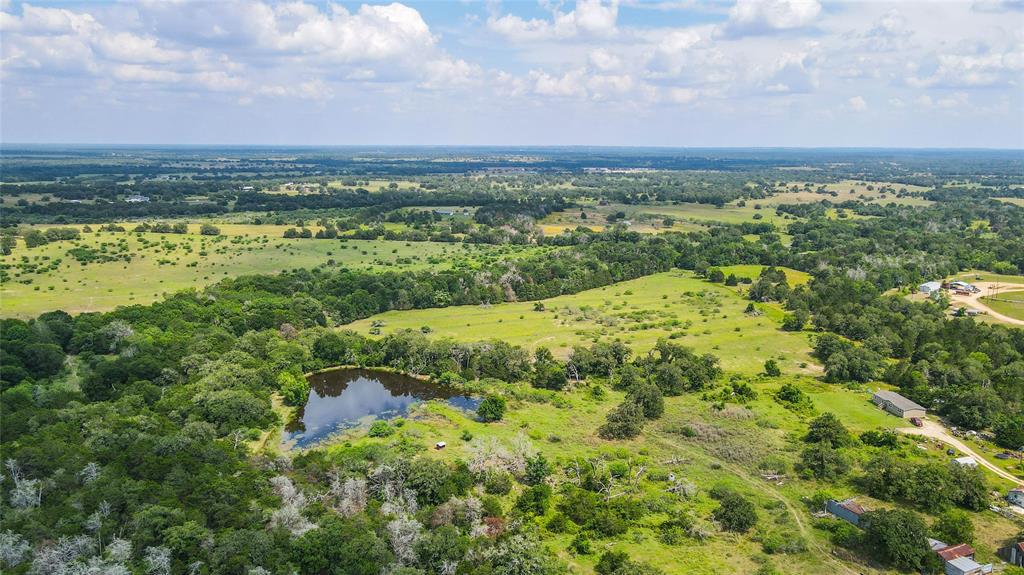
[[917, 421]]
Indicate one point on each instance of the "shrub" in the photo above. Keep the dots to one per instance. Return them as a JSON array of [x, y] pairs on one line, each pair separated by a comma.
[[492, 408], [736, 513], [497, 483], [380, 428]]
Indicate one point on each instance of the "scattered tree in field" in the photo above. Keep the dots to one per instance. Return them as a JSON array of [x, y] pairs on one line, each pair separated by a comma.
[[771, 368], [827, 428], [735, 512], [492, 408], [648, 396], [823, 461]]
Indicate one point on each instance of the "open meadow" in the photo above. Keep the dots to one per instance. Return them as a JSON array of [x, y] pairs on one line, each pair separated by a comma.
[[677, 305], [103, 270]]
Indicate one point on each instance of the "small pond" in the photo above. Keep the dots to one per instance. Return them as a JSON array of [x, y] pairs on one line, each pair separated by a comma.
[[344, 398]]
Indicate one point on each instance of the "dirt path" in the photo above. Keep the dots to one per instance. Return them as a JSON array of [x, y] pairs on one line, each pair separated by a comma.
[[974, 300], [767, 488], [935, 430]]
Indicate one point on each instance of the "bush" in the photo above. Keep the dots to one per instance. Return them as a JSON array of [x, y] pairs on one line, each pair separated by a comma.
[[771, 368], [497, 483], [736, 513], [491, 409], [380, 428], [535, 500], [537, 470]]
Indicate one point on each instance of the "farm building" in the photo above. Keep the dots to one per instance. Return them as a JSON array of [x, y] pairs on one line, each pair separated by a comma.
[[847, 510], [928, 288], [1016, 554], [967, 566], [959, 559], [1016, 496], [897, 405], [136, 199], [966, 461]]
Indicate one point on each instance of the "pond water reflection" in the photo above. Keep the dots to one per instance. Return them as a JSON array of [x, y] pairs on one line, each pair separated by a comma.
[[344, 398]]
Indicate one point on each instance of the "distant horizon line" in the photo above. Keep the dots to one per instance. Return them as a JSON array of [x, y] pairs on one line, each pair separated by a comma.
[[500, 146]]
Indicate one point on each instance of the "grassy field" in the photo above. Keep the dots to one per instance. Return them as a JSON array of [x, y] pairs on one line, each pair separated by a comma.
[[1014, 201], [147, 266], [563, 427], [708, 317], [1009, 303], [880, 193]]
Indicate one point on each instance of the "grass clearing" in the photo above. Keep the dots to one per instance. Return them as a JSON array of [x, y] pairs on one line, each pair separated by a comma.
[[144, 267], [707, 317], [1009, 303]]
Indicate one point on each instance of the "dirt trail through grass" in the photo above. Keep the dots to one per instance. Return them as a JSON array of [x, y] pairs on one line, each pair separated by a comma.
[[764, 488]]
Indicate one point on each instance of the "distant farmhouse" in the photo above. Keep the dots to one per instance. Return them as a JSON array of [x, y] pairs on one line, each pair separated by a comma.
[[930, 288], [897, 405], [136, 199]]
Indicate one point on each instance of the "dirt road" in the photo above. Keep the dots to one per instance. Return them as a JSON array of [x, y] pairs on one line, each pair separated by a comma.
[[974, 300], [936, 430]]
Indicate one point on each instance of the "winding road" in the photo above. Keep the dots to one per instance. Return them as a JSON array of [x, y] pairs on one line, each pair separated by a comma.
[[935, 430]]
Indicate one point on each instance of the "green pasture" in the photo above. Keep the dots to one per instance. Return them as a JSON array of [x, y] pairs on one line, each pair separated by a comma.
[[1009, 303], [707, 317], [149, 266]]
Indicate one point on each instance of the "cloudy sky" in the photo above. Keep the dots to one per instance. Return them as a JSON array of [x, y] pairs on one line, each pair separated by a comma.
[[591, 72]]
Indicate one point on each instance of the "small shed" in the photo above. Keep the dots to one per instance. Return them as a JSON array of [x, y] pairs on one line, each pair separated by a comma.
[[1016, 554], [928, 288], [966, 461], [967, 566], [440, 445], [897, 405], [848, 510]]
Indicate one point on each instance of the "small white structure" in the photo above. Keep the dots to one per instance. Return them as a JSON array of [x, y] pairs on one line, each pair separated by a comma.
[[136, 199], [1016, 496], [928, 288], [966, 461], [440, 445]]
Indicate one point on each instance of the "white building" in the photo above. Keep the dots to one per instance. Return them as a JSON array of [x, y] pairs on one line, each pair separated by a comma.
[[966, 461], [928, 288]]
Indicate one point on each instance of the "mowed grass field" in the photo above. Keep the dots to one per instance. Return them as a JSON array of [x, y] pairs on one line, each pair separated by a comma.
[[47, 278], [1009, 303], [707, 317]]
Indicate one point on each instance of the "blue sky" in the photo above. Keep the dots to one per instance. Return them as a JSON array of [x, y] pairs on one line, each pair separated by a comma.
[[590, 72]]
